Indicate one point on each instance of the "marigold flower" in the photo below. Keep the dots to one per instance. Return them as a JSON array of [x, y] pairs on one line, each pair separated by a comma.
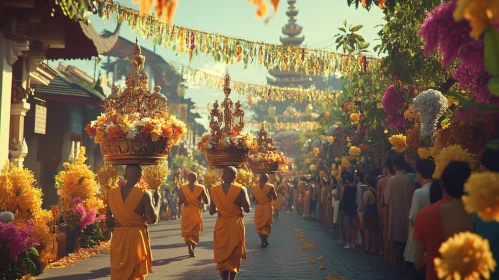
[[482, 195], [479, 14], [399, 143], [450, 154], [354, 151], [315, 150], [465, 256], [424, 153], [355, 118], [345, 162]]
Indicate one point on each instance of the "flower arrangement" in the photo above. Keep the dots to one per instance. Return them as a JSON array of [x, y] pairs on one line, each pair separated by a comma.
[[430, 105], [77, 216], [424, 153], [354, 117], [17, 252], [211, 178], [223, 141], [354, 151], [129, 126], [268, 156], [77, 181], [155, 175], [20, 196], [394, 105], [413, 137], [450, 154], [465, 256], [108, 178], [398, 142], [482, 195], [244, 177]]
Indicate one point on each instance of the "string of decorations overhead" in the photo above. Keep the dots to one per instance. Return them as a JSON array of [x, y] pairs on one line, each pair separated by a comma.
[[197, 77], [228, 49], [287, 126]]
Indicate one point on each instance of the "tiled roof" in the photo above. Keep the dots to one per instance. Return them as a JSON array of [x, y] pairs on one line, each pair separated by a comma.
[[63, 87]]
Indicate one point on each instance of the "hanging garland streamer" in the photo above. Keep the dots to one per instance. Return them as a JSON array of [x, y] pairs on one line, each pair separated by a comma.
[[229, 50], [287, 126], [267, 92]]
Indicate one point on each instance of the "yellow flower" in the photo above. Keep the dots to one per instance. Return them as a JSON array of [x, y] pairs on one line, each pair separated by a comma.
[[307, 161], [330, 139], [313, 167], [155, 175], [345, 162], [107, 177], [315, 150], [355, 118], [409, 114], [465, 256], [479, 14], [450, 154], [337, 159], [244, 177], [482, 195], [399, 143], [354, 151], [424, 153]]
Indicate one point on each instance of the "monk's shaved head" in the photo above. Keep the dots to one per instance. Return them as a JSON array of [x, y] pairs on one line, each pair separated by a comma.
[[230, 173], [133, 172], [192, 177], [264, 178]]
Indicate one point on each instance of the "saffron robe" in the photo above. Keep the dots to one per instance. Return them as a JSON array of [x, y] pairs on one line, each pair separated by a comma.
[[229, 234], [192, 219], [131, 256], [264, 211]]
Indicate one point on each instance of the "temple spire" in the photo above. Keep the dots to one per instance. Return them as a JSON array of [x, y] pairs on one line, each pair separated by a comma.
[[291, 30]]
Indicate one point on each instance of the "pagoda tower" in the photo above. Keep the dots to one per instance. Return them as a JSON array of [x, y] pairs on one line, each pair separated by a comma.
[[291, 31]]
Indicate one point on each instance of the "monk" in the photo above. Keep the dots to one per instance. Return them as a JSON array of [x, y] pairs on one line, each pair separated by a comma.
[[263, 194], [129, 210], [191, 195], [229, 199]]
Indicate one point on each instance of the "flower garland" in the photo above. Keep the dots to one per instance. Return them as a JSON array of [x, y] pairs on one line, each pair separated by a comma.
[[269, 157], [450, 154], [224, 141], [129, 126], [430, 105], [482, 195], [230, 49], [465, 255], [156, 175], [288, 126], [77, 183], [398, 142], [20, 196]]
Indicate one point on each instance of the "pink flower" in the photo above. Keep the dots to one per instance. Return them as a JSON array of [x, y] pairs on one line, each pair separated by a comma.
[[394, 105], [18, 240]]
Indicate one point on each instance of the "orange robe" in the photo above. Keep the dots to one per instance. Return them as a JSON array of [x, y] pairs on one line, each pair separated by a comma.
[[264, 211], [229, 235], [192, 219], [131, 256]]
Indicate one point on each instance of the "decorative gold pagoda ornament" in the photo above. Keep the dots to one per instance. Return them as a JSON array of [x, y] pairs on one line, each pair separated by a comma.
[[264, 158], [136, 128], [226, 144]]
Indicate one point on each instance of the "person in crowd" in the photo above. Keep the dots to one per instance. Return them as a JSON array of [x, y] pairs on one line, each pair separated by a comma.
[[489, 230], [191, 196], [314, 195], [323, 201], [341, 213], [306, 200], [279, 188], [229, 200], [291, 196], [335, 200], [421, 198], [361, 187], [329, 203], [172, 202], [435, 191], [348, 201], [129, 210], [371, 215], [429, 229], [264, 193], [388, 172], [398, 196]]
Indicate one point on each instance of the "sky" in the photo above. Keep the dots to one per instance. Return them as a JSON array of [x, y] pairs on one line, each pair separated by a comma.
[[320, 20]]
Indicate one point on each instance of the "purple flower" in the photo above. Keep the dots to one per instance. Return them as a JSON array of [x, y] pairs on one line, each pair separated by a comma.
[[18, 240], [394, 105], [475, 80]]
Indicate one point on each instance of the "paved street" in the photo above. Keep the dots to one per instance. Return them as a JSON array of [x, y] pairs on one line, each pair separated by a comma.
[[283, 259]]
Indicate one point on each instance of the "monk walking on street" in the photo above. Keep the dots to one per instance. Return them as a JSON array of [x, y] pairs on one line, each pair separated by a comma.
[[229, 199], [191, 195], [129, 211], [264, 193]]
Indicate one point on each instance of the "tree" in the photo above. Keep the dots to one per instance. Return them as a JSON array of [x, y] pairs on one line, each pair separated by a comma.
[[350, 40]]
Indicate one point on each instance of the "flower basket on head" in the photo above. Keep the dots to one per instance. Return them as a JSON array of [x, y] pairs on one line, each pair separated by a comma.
[[136, 128], [264, 158], [226, 144]]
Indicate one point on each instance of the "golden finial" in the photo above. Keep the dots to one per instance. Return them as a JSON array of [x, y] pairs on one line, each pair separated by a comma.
[[227, 89], [136, 49]]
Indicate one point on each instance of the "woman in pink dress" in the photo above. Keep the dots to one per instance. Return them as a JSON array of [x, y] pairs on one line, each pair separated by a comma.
[[306, 203]]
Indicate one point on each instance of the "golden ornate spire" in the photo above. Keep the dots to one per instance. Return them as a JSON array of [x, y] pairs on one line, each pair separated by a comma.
[[226, 116], [265, 142]]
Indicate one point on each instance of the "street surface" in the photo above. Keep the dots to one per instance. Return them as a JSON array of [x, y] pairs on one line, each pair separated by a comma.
[[284, 258]]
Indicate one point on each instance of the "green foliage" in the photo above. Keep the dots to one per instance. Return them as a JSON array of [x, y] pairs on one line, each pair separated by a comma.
[[27, 263], [350, 40], [91, 236], [183, 162]]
